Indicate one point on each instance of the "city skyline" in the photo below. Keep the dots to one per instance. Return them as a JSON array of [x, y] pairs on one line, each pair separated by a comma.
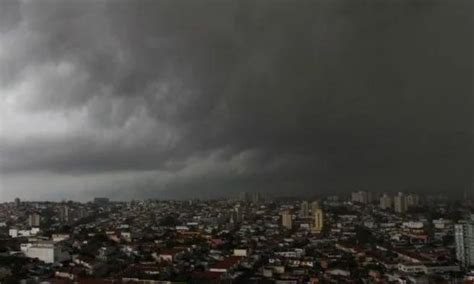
[[165, 99], [402, 238]]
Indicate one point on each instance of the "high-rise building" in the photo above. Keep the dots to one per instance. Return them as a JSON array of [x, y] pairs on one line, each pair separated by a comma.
[[235, 215], [34, 219], [400, 203], [318, 220], [257, 197], [464, 237], [286, 220], [245, 197], [304, 209], [412, 200], [314, 206], [82, 212], [371, 197], [17, 202], [385, 202], [360, 197], [64, 214]]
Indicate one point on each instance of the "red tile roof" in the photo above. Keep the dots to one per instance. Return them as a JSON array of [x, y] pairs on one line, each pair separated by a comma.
[[227, 263]]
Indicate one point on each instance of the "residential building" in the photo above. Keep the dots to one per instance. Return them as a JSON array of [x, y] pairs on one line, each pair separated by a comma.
[[314, 206], [48, 252], [304, 209], [464, 238], [286, 220], [64, 214], [399, 203], [412, 200], [318, 220], [385, 202], [34, 219], [360, 197]]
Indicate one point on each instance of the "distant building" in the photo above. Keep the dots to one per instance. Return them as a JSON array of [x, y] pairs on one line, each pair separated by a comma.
[[64, 214], [16, 233], [286, 220], [371, 197], [45, 251], [464, 237], [243, 196], [400, 203], [314, 206], [257, 197], [235, 215], [385, 202], [304, 209], [226, 265], [360, 197], [17, 202], [34, 219], [60, 237], [318, 220], [101, 200], [81, 213], [412, 200]]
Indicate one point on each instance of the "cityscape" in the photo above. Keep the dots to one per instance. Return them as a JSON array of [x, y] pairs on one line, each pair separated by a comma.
[[362, 238], [236, 141]]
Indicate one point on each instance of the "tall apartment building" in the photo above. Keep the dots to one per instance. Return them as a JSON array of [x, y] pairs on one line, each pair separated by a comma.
[[464, 237], [400, 203], [412, 200], [257, 197], [314, 206], [304, 209], [34, 219], [360, 197], [385, 202], [64, 214], [286, 220], [318, 220]]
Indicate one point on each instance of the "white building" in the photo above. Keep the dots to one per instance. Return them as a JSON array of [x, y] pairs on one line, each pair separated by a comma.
[[16, 233], [304, 210], [412, 200], [318, 221], [241, 252], [45, 251], [360, 197], [385, 202], [464, 236], [314, 206], [59, 237], [34, 220], [286, 220], [400, 203]]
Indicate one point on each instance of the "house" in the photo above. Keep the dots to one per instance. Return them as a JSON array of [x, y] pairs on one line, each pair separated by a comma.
[[226, 264], [169, 255]]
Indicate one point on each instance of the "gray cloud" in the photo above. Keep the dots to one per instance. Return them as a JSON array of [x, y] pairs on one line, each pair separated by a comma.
[[221, 96]]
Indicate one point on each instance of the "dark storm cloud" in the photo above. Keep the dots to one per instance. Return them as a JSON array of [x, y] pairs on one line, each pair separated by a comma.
[[266, 95]]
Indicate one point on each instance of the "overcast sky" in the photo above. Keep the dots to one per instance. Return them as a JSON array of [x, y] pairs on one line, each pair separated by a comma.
[[173, 99]]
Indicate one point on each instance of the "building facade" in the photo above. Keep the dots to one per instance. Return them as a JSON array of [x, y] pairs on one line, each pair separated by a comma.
[[464, 237], [318, 220], [400, 203], [45, 251], [385, 202], [286, 220], [34, 220]]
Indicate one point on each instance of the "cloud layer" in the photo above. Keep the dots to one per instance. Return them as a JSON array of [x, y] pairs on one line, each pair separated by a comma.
[[145, 98]]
